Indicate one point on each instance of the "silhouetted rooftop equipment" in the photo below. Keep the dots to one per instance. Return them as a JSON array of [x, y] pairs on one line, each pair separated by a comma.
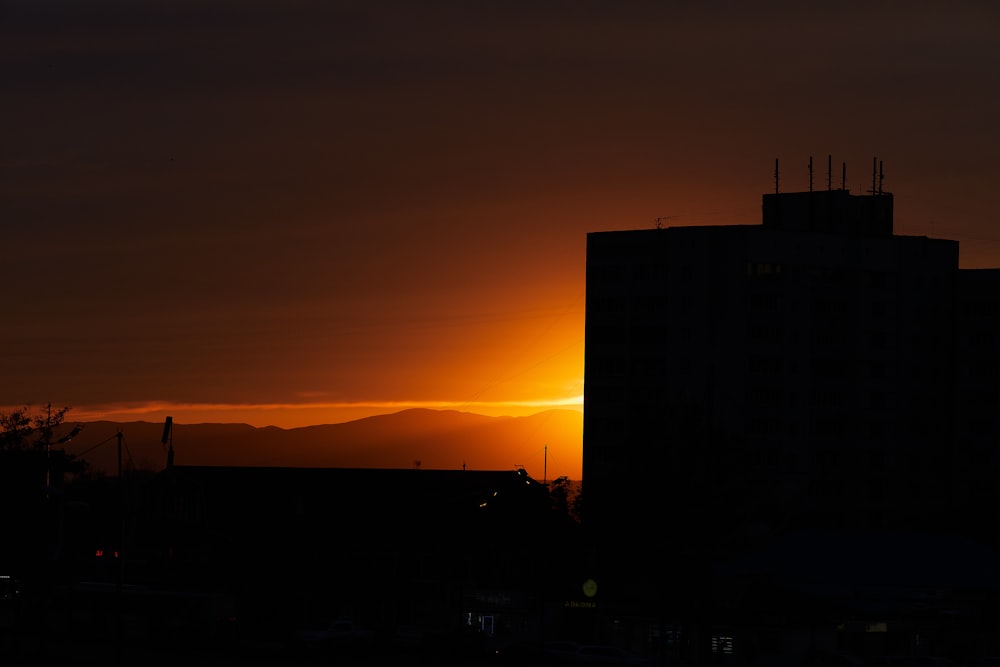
[[878, 177], [879, 174], [168, 436], [831, 211]]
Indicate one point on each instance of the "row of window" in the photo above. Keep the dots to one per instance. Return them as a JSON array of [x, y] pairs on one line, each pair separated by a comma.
[[665, 271]]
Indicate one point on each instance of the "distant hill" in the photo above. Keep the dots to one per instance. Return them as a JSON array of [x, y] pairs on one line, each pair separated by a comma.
[[429, 439]]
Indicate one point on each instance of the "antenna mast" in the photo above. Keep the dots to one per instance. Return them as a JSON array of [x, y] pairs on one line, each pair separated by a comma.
[[168, 437]]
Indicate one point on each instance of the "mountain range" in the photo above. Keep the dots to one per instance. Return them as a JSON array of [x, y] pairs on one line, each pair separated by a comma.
[[547, 444]]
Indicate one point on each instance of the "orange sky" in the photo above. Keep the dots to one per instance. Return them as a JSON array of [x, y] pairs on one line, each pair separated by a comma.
[[288, 213]]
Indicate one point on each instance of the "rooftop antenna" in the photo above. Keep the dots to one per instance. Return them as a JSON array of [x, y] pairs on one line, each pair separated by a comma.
[[810, 173], [843, 175], [775, 175], [829, 172], [168, 437], [881, 175]]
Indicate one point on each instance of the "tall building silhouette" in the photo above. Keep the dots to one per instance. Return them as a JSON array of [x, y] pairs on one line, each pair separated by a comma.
[[815, 370]]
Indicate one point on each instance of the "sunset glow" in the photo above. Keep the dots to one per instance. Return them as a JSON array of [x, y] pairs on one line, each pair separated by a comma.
[[383, 207], [301, 414]]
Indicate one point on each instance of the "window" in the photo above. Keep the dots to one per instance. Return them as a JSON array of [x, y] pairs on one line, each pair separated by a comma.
[[764, 334], [763, 269], [764, 364], [722, 644]]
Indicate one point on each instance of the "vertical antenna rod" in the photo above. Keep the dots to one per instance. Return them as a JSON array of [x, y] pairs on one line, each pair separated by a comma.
[[168, 437], [843, 175]]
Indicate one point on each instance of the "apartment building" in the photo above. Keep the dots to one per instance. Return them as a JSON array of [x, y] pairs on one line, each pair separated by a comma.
[[813, 370]]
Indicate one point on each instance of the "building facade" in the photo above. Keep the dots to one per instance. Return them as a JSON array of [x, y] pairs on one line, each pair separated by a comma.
[[814, 370]]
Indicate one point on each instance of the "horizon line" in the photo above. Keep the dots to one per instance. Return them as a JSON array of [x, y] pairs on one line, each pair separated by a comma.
[[295, 415]]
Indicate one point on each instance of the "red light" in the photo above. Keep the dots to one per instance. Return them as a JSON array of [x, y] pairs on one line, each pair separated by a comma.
[[99, 553]]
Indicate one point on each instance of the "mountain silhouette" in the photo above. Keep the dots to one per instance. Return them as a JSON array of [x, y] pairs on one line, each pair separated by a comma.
[[547, 444]]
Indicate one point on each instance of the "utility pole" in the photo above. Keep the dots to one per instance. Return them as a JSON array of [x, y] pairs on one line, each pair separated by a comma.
[[121, 555]]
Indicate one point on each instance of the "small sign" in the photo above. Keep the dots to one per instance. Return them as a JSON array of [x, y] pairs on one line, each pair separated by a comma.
[[579, 604], [590, 588]]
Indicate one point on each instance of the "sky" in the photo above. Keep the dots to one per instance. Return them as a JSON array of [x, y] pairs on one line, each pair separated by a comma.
[[293, 213]]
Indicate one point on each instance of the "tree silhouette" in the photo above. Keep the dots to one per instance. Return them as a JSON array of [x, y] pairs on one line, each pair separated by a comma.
[[563, 498], [15, 427], [26, 444], [18, 426]]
